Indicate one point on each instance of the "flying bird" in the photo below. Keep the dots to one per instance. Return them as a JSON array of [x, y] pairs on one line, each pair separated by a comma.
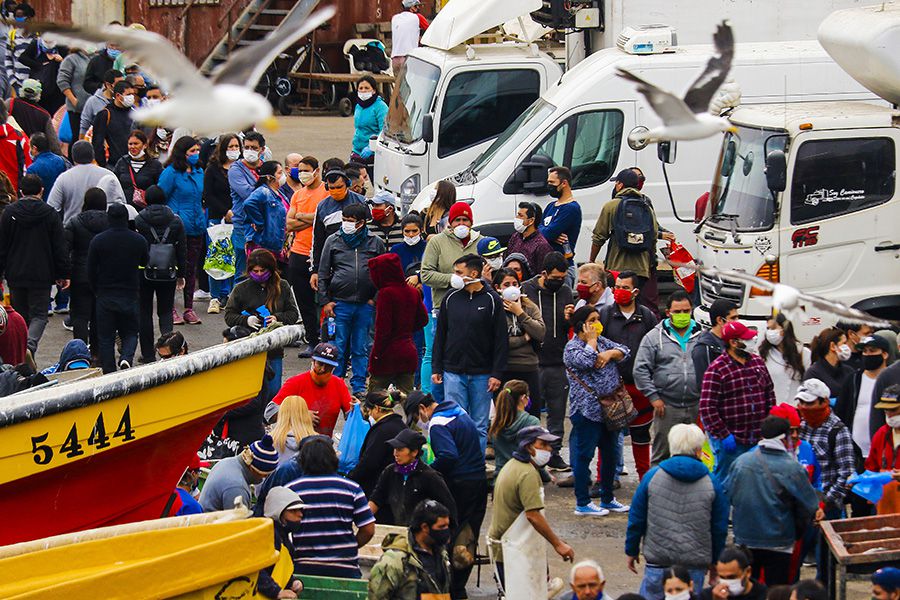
[[224, 102], [791, 301], [689, 118]]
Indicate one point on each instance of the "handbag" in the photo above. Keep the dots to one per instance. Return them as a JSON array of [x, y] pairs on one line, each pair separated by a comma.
[[137, 196], [802, 519], [618, 408]]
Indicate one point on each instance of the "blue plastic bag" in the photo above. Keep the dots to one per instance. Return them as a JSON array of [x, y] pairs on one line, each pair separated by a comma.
[[65, 130], [869, 484], [352, 437]]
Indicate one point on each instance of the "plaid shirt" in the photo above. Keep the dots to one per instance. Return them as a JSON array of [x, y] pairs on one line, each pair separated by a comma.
[[837, 462], [735, 398]]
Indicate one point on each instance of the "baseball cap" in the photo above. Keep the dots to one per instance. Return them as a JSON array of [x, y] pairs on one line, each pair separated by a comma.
[[528, 435], [326, 353], [887, 577], [386, 401], [196, 464], [774, 427], [811, 390], [408, 438], [31, 87], [874, 341], [628, 178], [490, 246], [889, 398], [735, 330], [384, 197], [786, 411], [411, 3]]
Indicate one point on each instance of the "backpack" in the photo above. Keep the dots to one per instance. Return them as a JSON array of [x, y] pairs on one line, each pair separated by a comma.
[[161, 266], [633, 225]]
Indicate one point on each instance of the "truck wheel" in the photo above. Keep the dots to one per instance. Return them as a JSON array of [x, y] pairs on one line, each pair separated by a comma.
[[345, 107], [284, 106]]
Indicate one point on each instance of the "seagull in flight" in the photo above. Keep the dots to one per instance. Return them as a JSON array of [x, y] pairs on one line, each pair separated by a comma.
[[224, 102], [689, 118], [791, 301]]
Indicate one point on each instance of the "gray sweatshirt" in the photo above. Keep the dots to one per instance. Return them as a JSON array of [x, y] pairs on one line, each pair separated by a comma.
[[67, 195], [71, 77]]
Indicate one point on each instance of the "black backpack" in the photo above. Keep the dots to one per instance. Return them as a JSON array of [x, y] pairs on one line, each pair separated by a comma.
[[633, 225], [162, 264]]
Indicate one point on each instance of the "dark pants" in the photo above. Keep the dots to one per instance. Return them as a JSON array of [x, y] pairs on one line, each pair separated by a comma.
[[471, 502], [649, 295], [554, 386], [83, 311], [75, 126], [116, 314], [774, 567], [32, 303], [298, 275], [165, 302], [586, 437], [195, 244]]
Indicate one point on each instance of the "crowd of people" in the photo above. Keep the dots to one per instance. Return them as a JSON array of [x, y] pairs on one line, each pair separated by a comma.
[[454, 350]]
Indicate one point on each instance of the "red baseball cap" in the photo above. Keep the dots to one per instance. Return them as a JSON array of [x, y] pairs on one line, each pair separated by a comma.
[[735, 330], [786, 411], [196, 464]]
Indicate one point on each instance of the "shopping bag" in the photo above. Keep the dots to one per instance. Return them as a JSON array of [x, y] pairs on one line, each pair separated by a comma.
[[65, 130], [870, 484], [219, 263], [352, 437]]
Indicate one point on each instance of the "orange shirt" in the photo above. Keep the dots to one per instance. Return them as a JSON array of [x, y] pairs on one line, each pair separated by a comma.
[[306, 201]]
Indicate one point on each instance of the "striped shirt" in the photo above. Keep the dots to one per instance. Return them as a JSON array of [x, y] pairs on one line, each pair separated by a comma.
[[325, 544], [17, 41]]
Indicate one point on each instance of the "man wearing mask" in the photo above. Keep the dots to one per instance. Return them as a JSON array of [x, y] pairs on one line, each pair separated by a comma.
[[855, 334], [242, 177], [443, 250], [328, 215], [470, 356], [710, 345], [734, 578], [883, 453], [385, 222], [100, 63], [527, 240], [102, 95], [736, 395], [591, 287], [376, 453], [562, 217], [490, 249], [113, 125], [300, 219], [292, 183], [518, 490]]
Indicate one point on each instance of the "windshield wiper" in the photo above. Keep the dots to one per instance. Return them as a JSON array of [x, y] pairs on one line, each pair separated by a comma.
[[467, 176]]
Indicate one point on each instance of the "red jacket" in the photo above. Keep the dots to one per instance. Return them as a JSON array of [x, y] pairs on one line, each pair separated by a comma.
[[13, 340], [881, 454], [399, 312], [14, 153]]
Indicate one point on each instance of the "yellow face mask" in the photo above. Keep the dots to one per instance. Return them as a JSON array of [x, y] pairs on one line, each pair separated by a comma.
[[598, 327]]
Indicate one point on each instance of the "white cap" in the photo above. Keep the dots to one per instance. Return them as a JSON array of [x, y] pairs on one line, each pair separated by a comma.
[[811, 390]]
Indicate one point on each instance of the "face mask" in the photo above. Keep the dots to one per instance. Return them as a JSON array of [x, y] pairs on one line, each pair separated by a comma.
[[412, 241], [137, 156], [22, 20], [251, 156], [622, 297], [282, 180], [685, 595], [680, 320], [232, 155], [338, 194], [260, 277], [423, 427], [153, 101], [162, 133], [584, 291], [457, 282], [735, 586], [512, 293], [305, 177], [109, 51], [774, 336], [893, 422], [348, 227], [295, 173], [378, 213], [872, 362], [495, 263], [193, 159], [519, 225], [365, 96], [128, 100], [372, 420], [432, 194], [440, 537], [555, 192], [293, 526], [553, 285], [461, 231], [844, 352], [814, 415], [598, 327], [541, 457]]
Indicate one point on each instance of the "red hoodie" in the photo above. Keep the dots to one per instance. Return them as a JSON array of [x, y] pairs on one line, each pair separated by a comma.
[[14, 153], [399, 312]]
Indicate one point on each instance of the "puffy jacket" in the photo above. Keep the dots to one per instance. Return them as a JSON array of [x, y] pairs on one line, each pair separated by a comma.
[[456, 443], [399, 313], [397, 495], [368, 121], [375, 453], [707, 349], [506, 442], [184, 191], [48, 167], [264, 221], [144, 177], [14, 155], [553, 311], [400, 575], [33, 250], [628, 332], [471, 337], [328, 221], [344, 271], [681, 514], [441, 251], [525, 331], [662, 370], [156, 218], [79, 233]]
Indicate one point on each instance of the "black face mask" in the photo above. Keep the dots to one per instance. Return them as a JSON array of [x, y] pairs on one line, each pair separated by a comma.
[[440, 537], [293, 526], [872, 361], [555, 192], [553, 285]]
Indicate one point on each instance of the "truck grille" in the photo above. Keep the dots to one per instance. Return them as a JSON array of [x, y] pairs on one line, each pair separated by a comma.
[[714, 288]]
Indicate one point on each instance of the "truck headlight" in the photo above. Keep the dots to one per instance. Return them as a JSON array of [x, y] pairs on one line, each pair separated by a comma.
[[409, 189]]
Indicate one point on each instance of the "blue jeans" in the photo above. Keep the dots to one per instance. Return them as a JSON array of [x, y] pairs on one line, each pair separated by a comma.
[[425, 355], [586, 437], [620, 454], [652, 584], [219, 289], [240, 257], [725, 459], [471, 393], [274, 384], [351, 336]]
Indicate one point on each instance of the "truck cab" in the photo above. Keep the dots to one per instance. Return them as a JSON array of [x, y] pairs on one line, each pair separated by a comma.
[[806, 194]]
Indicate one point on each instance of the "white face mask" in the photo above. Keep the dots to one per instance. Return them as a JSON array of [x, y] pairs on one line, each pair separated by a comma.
[[365, 96], [844, 352], [735, 586], [412, 241], [432, 194], [774, 336], [495, 263], [423, 427], [461, 231], [752, 345], [372, 420], [282, 180], [232, 154], [306, 177], [893, 422], [162, 133], [519, 224], [685, 595], [251, 156], [348, 227], [137, 156], [128, 100], [457, 282], [512, 293], [152, 102], [541, 457]]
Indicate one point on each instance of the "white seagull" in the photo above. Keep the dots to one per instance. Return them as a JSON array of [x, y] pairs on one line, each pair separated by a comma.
[[791, 301], [689, 119], [224, 102]]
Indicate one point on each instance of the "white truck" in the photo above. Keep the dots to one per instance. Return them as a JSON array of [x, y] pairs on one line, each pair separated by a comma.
[[806, 194]]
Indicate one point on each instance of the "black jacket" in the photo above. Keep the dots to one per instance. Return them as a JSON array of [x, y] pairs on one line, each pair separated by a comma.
[[99, 64], [553, 308], [396, 496], [471, 336], [375, 453], [845, 409], [628, 332], [834, 377], [216, 192], [344, 271], [887, 378], [146, 176], [79, 233], [245, 423], [33, 251], [115, 258], [707, 349], [112, 125], [157, 217]]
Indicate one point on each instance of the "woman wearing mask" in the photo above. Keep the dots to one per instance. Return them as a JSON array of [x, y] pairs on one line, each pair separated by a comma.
[[786, 359], [217, 202], [265, 212], [677, 584], [293, 424], [182, 182], [830, 352], [510, 416], [368, 119], [525, 326], [442, 198], [160, 140], [137, 171]]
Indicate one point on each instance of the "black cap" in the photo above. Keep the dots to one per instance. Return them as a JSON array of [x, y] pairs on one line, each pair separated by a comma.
[[874, 341], [326, 353], [407, 438], [772, 427], [628, 178], [414, 400], [386, 401], [527, 435]]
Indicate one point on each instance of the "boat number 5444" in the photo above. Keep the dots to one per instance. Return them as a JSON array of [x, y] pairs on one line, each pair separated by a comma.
[[71, 447]]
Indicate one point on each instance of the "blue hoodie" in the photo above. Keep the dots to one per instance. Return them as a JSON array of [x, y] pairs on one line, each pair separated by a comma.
[[456, 443], [74, 355]]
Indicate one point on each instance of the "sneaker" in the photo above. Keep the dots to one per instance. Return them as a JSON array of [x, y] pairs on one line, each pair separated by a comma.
[[176, 318], [191, 318], [566, 482], [67, 324], [61, 310], [214, 307], [615, 506], [591, 510], [50, 311], [124, 364], [201, 295], [594, 492], [557, 464]]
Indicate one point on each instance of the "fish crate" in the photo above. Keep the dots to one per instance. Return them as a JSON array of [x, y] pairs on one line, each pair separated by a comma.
[[859, 547], [333, 588]]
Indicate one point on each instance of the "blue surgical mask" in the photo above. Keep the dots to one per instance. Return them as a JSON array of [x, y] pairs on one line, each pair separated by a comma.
[[193, 159], [113, 53], [295, 173], [20, 19]]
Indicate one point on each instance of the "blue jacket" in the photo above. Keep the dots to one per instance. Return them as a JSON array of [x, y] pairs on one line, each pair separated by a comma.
[[456, 443], [48, 167], [806, 456], [410, 255], [185, 197], [561, 219], [264, 219], [242, 181], [368, 122]]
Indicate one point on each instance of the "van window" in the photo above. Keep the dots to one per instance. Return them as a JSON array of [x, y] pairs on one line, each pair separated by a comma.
[[480, 105], [836, 177]]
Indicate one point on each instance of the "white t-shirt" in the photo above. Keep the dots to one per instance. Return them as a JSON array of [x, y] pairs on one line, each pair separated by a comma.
[[785, 379], [404, 33], [860, 434]]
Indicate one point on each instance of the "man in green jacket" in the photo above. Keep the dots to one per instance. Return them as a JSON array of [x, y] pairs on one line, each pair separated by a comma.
[[445, 248], [416, 563]]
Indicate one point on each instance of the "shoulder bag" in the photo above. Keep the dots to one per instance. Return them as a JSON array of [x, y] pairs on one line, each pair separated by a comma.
[[618, 408]]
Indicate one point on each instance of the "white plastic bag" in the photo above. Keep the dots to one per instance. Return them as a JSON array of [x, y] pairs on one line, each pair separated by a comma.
[[219, 263]]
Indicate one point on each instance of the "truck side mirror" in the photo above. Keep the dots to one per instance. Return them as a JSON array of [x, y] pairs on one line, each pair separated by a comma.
[[776, 171], [665, 151], [729, 158], [529, 176], [428, 128]]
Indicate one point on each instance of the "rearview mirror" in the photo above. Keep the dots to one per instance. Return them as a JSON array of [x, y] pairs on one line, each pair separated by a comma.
[[728, 158], [776, 171], [665, 151], [530, 176], [428, 128]]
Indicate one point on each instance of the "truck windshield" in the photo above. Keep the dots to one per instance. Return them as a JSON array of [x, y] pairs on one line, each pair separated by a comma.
[[740, 197], [411, 101]]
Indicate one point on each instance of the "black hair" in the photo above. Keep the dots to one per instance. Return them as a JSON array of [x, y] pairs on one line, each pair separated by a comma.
[[40, 142], [739, 554], [630, 596], [121, 86], [501, 274], [414, 400], [235, 333], [531, 209], [848, 327], [564, 173], [678, 296], [31, 185], [779, 592], [255, 136], [312, 161], [629, 275], [555, 261], [375, 397], [173, 340], [678, 572], [822, 342], [94, 199], [266, 172], [720, 309], [370, 80], [411, 218], [810, 589], [352, 173], [580, 316], [427, 512], [317, 457], [791, 351], [110, 75], [472, 261], [334, 175], [155, 195], [333, 164], [178, 156], [355, 211]]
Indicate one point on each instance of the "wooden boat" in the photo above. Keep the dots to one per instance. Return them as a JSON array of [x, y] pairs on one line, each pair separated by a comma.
[[179, 557], [111, 449]]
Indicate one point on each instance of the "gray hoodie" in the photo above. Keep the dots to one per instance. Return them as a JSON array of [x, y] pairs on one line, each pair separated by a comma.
[[662, 370]]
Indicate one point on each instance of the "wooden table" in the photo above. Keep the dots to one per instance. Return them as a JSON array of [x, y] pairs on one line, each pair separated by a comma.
[[858, 548]]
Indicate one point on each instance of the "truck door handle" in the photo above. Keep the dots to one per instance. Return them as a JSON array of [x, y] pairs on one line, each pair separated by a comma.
[[887, 248]]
